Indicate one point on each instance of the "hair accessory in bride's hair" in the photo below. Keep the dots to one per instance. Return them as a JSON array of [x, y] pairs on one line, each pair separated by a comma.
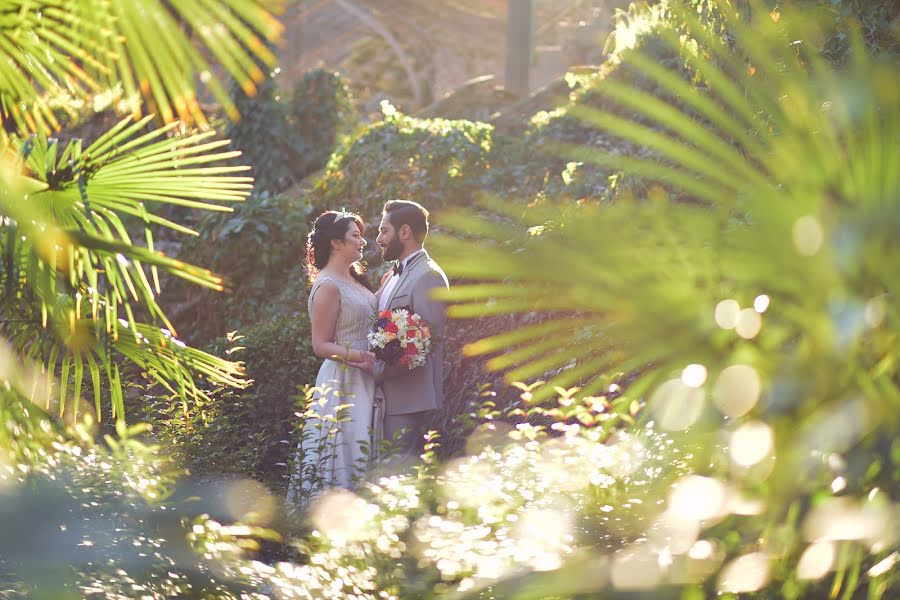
[[338, 215], [343, 214]]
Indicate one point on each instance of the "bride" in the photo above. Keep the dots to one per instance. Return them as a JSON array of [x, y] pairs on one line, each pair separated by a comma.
[[341, 307]]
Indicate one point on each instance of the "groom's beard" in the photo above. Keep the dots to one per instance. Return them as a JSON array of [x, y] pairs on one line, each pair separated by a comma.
[[393, 250]]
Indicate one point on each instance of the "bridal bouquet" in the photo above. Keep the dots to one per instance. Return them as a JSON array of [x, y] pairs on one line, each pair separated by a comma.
[[400, 337]]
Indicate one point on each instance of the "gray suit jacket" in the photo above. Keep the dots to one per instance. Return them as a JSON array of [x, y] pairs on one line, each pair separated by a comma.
[[407, 391]]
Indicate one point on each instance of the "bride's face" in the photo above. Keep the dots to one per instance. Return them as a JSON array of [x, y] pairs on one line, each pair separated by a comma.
[[351, 247]]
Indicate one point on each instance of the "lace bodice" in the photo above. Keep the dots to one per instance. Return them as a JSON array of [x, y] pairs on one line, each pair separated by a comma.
[[356, 312]]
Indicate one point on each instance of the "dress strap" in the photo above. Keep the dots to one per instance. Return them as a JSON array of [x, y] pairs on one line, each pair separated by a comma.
[[318, 283]]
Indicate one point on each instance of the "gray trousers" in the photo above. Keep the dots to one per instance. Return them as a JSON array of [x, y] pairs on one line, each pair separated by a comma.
[[412, 425]]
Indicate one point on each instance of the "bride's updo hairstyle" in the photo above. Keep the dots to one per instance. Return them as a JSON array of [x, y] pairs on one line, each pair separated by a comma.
[[331, 225]]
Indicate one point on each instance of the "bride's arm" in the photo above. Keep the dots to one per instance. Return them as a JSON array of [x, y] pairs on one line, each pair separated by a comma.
[[326, 304]]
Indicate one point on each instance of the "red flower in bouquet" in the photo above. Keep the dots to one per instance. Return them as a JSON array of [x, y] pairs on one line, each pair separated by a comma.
[[400, 337]]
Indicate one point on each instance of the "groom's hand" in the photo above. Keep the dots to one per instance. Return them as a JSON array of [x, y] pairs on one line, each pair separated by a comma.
[[384, 371]]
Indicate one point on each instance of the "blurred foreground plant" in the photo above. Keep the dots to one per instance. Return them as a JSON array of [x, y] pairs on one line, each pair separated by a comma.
[[759, 310], [59, 56]]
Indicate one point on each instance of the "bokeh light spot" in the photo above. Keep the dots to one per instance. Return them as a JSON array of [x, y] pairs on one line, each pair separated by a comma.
[[250, 502], [737, 390], [636, 568], [761, 303], [747, 573], [702, 550], [884, 566], [748, 324], [697, 498], [816, 561], [727, 313], [542, 537], [808, 235], [676, 406], [873, 313], [694, 375], [751, 443], [845, 519], [341, 515]]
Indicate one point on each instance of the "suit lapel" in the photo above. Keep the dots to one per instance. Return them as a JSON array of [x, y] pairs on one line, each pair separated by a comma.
[[407, 271]]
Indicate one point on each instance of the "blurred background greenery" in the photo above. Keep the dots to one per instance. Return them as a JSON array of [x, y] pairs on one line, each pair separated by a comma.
[[672, 370]]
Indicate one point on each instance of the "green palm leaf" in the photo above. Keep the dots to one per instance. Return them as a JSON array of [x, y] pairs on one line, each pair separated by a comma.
[[73, 268], [771, 153], [142, 50]]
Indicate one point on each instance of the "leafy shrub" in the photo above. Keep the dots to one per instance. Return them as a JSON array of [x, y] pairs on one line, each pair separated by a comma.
[[259, 249], [877, 19], [433, 161], [246, 432], [284, 140], [319, 117], [108, 520], [257, 136]]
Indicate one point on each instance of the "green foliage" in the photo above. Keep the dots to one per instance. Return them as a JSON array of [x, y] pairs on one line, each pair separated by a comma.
[[121, 53], [75, 282], [285, 140], [434, 161], [752, 318], [248, 432], [499, 520], [759, 304], [72, 506], [876, 20], [261, 248], [321, 115]]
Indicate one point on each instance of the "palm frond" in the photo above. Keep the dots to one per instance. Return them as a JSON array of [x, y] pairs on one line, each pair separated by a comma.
[[773, 153], [144, 51], [73, 271]]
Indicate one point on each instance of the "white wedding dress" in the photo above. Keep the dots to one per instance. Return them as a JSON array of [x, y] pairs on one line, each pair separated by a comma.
[[336, 434]]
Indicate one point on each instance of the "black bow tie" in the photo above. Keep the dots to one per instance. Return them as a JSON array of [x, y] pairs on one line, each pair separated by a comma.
[[398, 268]]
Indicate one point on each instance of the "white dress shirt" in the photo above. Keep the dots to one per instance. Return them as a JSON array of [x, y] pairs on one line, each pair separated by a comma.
[[392, 283]]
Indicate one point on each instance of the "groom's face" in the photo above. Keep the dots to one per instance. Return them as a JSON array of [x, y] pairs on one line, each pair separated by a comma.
[[388, 240]]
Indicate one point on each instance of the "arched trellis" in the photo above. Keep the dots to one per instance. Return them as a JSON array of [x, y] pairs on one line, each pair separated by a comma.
[[378, 27]]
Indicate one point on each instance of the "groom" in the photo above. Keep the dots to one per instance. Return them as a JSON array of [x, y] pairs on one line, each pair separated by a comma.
[[410, 396]]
